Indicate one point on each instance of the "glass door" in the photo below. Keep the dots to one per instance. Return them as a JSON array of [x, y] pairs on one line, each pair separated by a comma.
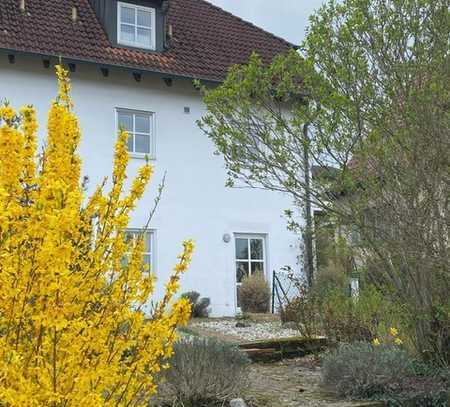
[[250, 259]]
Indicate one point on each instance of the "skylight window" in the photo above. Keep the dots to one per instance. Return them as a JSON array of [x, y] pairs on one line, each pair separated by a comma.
[[136, 26]]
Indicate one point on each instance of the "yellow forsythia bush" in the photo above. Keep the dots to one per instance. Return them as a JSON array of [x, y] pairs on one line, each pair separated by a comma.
[[72, 327]]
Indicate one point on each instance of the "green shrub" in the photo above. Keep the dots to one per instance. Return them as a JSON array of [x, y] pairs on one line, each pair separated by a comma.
[[384, 372], [290, 311], [327, 310], [255, 294], [328, 279], [369, 316], [417, 391], [303, 310], [200, 306], [343, 319], [204, 372], [361, 370]]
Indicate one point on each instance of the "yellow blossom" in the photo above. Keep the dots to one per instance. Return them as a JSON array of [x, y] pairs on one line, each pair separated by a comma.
[[73, 330], [398, 341], [376, 342], [393, 331], [7, 112]]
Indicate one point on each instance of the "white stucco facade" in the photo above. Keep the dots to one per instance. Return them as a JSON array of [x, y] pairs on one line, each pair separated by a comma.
[[195, 203]]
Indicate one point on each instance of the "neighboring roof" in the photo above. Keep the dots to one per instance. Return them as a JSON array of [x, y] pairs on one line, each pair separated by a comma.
[[206, 39]]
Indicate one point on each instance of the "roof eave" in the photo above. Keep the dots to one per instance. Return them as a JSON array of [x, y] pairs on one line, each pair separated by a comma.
[[130, 68]]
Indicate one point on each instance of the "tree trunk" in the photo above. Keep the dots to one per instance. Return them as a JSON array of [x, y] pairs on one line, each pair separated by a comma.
[[308, 234]]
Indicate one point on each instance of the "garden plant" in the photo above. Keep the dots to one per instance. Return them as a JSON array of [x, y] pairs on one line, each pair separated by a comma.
[[205, 372], [199, 305], [254, 294], [73, 326]]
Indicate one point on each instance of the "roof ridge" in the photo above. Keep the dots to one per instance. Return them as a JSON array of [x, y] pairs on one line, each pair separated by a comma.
[[214, 6]]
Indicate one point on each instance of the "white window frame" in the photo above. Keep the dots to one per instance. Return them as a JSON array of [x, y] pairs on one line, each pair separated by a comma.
[[135, 44], [249, 260], [152, 143], [153, 249]]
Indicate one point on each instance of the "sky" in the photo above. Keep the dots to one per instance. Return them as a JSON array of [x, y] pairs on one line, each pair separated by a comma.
[[285, 18]]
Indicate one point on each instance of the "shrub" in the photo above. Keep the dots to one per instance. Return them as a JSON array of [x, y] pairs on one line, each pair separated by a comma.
[[362, 370], [303, 311], [289, 312], [255, 294], [417, 391], [72, 330], [332, 313], [204, 372], [384, 372], [200, 306], [342, 321], [328, 279], [242, 316], [346, 319]]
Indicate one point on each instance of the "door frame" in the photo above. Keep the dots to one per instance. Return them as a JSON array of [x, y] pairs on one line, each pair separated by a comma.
[[246, 235]]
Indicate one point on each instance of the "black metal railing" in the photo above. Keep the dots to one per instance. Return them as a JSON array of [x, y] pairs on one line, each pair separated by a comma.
[[279, 294]]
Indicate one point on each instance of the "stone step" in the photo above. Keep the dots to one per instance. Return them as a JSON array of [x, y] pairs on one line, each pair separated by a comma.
[[263, 355], [284, 348], [280, 343]]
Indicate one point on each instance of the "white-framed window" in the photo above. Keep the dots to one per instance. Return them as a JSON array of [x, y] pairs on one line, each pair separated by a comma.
[[250, 258], [149, 245], [136, 25], [140, 126]]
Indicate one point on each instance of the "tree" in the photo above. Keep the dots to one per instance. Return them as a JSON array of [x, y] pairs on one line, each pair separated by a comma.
[[372, 83], [73, 331]]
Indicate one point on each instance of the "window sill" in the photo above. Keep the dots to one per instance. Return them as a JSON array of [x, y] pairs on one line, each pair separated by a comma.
[[140, 156], [136, 45]]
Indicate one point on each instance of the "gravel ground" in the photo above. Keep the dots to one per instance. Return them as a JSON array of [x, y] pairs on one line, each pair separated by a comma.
[[255, 330], [292, 383], [289, 383]]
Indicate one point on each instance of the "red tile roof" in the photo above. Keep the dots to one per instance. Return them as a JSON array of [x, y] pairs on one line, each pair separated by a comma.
[[206, 39]]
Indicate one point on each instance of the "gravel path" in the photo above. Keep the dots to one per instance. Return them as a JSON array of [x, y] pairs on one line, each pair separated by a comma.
[[255, 330], [289, 383], [292, 383]]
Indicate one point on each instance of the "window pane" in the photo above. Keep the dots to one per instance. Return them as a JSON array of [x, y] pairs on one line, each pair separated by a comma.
[[142, 143], [256, 249], [147, 259], [148, 239], [241, 270], [127, 15], [143, 36], [257, 268], [127, 33], [238, 295], [142, 123], [242, 249], [140, 234], [129, 237], [125, 121], [144, 18], [130, 142]]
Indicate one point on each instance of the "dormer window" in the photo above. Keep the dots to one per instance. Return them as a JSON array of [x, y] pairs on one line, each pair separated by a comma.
[[136, 26]]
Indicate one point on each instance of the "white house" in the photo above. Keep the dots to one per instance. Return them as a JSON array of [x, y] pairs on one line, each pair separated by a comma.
[[132, 63]]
